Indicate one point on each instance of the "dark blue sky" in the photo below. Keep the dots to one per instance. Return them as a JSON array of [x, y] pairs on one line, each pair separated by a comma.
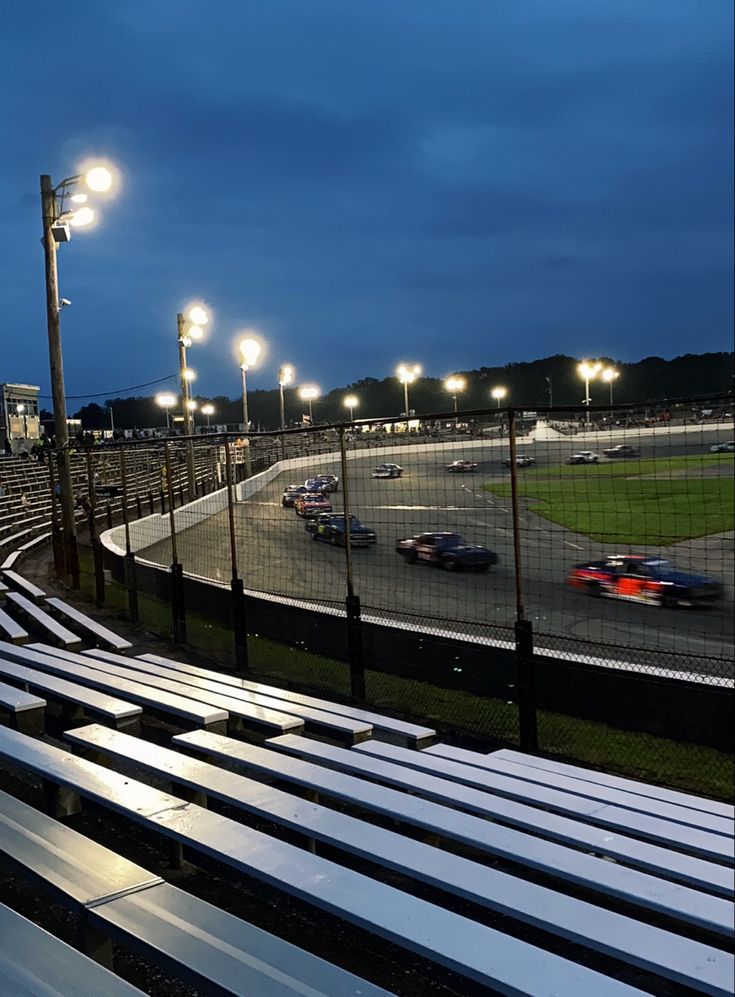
[[460, 183]]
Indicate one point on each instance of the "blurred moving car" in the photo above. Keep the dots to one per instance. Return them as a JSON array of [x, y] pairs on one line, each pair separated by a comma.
[[522, 460], [584, 457], [331, 529], [640, 578], [387, 471], [728, 447], [291, 493], [461, 466], [448, 550], [330, 482], [622, 450], [311, 504]]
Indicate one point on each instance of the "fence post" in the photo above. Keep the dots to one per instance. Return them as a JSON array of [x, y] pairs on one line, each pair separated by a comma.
[[355, 651], [130, 579], [56, 538], [178, 609], [99, 571], [239, 618], [525, 663]]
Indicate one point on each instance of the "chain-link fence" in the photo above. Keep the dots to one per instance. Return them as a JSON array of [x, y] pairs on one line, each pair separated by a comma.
[[557, 578]]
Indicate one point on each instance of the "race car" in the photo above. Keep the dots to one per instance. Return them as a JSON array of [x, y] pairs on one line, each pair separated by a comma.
[[291, 493], [584, 457], [387, 471], [461, 466], [331, 529], [311, 504], [330, 482], [448, 550], [622, 450], [522, 460], [728, 447], [640, 578]]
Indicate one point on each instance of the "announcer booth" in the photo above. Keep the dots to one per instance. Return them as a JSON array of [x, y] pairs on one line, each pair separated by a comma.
[[21, 426]]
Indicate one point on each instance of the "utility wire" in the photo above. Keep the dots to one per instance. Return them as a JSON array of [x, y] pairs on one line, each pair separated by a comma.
[[118, 391]]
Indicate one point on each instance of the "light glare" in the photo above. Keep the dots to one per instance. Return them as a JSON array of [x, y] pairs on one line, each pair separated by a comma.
[[189, 374], [198, 315], [250, 350], [499, 392], [455, 384], [99, 179], [309, 392], [350, 401], [82, 217], [165, 401], [195, 332], [286, 375]]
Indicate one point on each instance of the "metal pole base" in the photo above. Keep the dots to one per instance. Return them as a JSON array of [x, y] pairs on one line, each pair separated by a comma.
[[355, 648], [526, 686], [239, 625], [178, 610], [131, 586]]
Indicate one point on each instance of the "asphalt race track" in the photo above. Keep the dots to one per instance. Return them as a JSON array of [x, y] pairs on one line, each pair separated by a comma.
[[277, 555]]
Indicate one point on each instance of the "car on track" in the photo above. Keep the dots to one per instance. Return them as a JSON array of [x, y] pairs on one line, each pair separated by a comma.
[[646, 579], [331, 529], [387, 471], [522, 460], [622, 450], [461, 466], [311, 504], [291, 493], [448, 550], [330, 482], [584, 457], [728, 447]]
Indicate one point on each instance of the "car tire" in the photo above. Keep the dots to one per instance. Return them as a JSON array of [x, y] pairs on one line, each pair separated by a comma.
[[484, 568], [449, 565], [334, 540], [595, 590], [412, 557]]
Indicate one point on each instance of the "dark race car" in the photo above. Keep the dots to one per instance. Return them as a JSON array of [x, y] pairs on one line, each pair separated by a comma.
[[449, 550], [324, 483], [331, 529], [622, 450], [311, 504], [387, 471], [522, 460], [461, 466], [639, 578], [290, 494]]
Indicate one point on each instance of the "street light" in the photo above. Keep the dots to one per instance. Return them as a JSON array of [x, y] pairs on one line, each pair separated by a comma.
[[351, 402], [286, 376], [189, 329], [208, 410], [610, 374], [191, 407], [309, 393], [407, 374], [57, 222], [454, 385], [250, 350], [589, 372], [499, 394], [167, 401]]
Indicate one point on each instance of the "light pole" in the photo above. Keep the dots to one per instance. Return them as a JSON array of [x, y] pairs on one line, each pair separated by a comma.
[[249, 351], [499, 394], [189, 329], [610, 374], [351, 402], [56, 230], [589, 372], [191, 407], [166, 401], [454, 385], [549, 389], [309, 393], [286, 375], [407, 374], [208, 410]]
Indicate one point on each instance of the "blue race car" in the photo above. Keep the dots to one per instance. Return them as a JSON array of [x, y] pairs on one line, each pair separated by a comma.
[[331, 529]]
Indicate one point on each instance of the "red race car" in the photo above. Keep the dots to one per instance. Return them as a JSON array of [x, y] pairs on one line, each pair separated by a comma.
[[638, 578], [311, 504]]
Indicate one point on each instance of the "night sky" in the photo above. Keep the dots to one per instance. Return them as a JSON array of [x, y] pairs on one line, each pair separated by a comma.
[[457, 183]]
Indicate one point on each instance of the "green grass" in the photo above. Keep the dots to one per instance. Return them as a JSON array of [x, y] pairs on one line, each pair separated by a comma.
[[655, 759], [634, 502]]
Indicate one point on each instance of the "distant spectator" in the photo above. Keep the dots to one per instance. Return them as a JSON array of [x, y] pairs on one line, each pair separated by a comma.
[[2, 490], [25, 502]]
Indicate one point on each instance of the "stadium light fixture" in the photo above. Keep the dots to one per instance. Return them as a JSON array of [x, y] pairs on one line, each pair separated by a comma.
[[407, 374], [249, 349], [610, 374], [208, 410], [189, 329], [454, 385], [499, 394], [309, 393], [588, 371], [167, 401], [351, 402], [286, 376]]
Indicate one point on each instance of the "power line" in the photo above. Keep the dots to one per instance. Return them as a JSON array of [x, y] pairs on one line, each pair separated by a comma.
[[118, 391]]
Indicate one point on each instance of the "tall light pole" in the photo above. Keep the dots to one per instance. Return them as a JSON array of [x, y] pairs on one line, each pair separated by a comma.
[[610, 374], [189, 329], [191, 407], [549, 389], [499, 394], [454, 385], [56, 229], [407, 374], [309, 393], [167, 401], [112, 420], [351, 402], [249, 351], [208, 410], [588, 371], [286, 375]]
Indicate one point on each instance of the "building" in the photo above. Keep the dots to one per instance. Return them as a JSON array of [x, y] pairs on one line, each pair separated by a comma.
[[20, 425]]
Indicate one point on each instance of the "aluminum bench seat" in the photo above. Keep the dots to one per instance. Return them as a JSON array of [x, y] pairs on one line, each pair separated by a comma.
[[99, 632], [29, 589], [636, 942], [24, 711], [208, 948], [158, 701], [34, 963], [42, 538], [78, 698], [413, 734], [644, 855], [687, 839], [491, 958], [619, 782], [9, 561], [70, 641], [12, 629], [586, 788]]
